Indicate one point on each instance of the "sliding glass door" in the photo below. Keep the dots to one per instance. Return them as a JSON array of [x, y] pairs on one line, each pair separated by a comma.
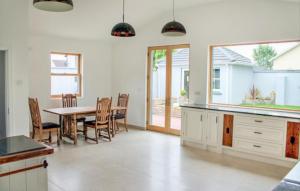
[[167, 86]]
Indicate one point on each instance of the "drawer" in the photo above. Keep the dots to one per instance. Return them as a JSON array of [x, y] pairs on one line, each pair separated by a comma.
[[256, 121], [259, 133], [266, 149]]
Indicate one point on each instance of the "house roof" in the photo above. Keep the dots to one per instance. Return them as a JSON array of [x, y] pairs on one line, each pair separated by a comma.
[[285, 52], [180, 57], [222, 55]]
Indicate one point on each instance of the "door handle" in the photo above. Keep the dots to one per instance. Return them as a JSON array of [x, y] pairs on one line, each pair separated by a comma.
[[227, 130], [256, 132]]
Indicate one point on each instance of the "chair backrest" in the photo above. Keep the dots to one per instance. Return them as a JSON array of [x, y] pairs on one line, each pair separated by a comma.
[[123, 102], [103, 111], [35, 113], [69, 100]]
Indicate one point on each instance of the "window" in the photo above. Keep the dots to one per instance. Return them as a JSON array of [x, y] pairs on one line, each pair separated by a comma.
[[65, 74], [258, 75], [216, 79]]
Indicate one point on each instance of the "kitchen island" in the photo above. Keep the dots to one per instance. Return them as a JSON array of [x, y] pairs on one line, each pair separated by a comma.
[[270, 136], [23, 164]]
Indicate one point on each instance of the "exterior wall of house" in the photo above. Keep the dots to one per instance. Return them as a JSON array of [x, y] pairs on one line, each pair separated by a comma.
[[159, 81], [235, 83], [286, 84], [288, 61], [241, 82], [221, 96]]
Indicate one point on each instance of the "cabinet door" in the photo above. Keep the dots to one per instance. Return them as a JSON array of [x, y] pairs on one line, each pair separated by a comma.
[[292, 140], [4, 181], [195, 125], [37, 179], [212, 128], [227, 130], [17, 182]]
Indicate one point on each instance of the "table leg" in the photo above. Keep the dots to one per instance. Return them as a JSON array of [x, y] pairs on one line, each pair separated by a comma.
[[61, 124], [74, 128]]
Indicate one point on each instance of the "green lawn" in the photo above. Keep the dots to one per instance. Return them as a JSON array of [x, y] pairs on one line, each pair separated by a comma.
[[271, 106]]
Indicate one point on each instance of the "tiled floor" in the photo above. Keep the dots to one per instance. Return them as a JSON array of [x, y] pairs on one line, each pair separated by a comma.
[[144, 161]]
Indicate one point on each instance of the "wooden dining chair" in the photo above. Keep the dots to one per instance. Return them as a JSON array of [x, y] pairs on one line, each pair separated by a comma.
[[121, 114], [38, 126], [70, 100], [102, 122]]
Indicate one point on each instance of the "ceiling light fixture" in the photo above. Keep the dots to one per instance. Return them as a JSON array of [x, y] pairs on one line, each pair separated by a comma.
[[123, 29], [173, 28], [53, 5]]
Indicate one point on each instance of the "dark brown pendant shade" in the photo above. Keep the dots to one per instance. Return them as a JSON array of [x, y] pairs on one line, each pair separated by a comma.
[[123, 29], [173, 28], [54, 5]]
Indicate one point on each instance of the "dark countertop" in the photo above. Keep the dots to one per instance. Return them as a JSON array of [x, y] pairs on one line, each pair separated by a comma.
[[256, 111], [21, 147], [291, 182]]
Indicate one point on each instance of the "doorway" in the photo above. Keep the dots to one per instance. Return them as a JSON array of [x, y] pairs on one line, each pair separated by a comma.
[[2, 94], [167, 87]]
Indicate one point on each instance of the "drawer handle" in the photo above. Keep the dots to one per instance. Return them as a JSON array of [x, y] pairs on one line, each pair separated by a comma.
[[258, 121], [256, 132], [256, 146]]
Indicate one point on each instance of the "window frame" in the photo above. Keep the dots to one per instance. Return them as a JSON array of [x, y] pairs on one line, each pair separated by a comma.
[[78, 74], [210, 92]]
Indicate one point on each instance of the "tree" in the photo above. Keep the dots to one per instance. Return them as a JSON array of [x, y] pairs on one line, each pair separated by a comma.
[[263, 56], [157, 55]]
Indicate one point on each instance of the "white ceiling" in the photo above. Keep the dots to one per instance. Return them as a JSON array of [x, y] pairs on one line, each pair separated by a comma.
[[94, 19]]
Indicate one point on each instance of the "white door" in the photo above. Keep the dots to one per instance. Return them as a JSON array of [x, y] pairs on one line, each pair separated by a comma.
[[194, 123], [213, 121]]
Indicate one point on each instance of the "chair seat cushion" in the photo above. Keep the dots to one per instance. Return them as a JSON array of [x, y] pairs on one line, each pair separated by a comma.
[[92, 124], [119, 116], [50, 125], [81, 119]]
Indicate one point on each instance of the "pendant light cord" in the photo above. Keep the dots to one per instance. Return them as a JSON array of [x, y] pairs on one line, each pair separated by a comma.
[[174, 10], [123, 11]]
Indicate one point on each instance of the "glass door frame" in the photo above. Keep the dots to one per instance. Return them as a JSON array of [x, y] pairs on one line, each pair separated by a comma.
[[167, 128]]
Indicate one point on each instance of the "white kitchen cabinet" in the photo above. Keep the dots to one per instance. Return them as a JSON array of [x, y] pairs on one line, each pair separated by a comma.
[[4, 181], [194, 125], [32, 180], [213, 128]]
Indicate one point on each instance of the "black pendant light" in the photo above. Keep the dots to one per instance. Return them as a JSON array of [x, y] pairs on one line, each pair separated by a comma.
[[53, 5], [173, 28], [123, 29]]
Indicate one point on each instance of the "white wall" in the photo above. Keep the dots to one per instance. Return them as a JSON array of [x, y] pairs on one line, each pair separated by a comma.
[[14, 37], [96, 65], [223, 22]]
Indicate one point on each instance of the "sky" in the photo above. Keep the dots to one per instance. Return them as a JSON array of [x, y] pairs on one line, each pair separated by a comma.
[[247, 50]]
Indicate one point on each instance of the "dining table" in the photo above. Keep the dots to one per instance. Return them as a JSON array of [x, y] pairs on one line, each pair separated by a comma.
[[73, 113]]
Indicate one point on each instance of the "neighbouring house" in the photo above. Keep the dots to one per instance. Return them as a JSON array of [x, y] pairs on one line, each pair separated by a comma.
[[234, 75], [288, 60], [180, 76]]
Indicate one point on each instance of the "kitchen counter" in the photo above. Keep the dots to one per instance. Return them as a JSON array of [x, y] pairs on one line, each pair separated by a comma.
[[21, 147], [256, 111], [291, 182]]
